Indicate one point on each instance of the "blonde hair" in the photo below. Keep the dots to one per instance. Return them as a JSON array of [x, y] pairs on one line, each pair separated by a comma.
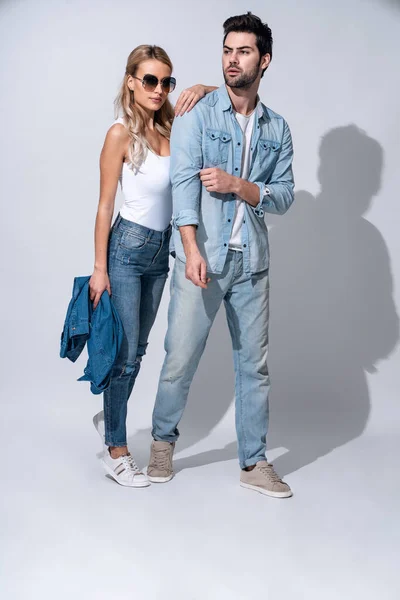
[[133, 115]]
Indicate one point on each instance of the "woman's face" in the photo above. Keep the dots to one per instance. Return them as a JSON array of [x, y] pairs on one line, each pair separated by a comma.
[[144, 96]]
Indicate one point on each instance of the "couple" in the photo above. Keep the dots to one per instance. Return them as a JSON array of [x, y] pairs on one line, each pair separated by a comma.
[[229, 162]]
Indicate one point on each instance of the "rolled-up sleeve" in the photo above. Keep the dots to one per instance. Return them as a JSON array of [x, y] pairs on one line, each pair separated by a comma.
[[277, 194], [186, 163]]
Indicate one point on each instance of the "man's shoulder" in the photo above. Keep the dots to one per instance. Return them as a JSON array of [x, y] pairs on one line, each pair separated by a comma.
[[271, 114], [199, 114], [211, 99], [206, 104]]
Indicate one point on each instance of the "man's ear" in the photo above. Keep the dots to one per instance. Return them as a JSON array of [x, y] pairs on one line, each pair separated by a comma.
[[266, 59]]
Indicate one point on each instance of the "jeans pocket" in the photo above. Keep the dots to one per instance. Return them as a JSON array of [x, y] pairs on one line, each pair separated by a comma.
[[132, 249], [132, 240]]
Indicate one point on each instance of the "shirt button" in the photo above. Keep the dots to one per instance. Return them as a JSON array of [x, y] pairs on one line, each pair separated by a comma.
[[244, 245], [229, 220], [224, 244], [238, 143], [236, 169]]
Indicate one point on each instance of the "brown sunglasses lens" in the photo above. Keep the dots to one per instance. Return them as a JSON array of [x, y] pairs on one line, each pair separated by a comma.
[[150, 82]]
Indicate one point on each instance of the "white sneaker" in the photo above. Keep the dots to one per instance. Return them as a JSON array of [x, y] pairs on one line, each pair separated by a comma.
[[124, 470], [98, 422]]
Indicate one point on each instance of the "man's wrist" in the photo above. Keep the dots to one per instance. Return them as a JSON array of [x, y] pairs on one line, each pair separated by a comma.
[[236, 186], [191, 249], [188, 237]]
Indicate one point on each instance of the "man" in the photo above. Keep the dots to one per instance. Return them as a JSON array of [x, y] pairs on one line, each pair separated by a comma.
[[231, 161]]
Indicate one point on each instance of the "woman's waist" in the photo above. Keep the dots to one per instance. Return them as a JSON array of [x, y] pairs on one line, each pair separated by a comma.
[[151, 229]]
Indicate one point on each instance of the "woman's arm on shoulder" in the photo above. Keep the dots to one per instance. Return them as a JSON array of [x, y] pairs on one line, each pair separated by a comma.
[[190, 97]]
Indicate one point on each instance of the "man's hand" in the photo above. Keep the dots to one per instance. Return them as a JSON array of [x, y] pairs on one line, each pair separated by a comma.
[[196, 270], [217, 180]]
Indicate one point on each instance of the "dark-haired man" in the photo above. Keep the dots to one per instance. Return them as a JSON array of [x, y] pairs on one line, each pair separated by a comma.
[[231, 161]]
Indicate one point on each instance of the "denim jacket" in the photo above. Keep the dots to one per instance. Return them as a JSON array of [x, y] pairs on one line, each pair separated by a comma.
[[210, 136], [101, 329]]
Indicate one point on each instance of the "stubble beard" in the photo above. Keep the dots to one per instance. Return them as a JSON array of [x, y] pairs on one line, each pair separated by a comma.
[[244, 80]]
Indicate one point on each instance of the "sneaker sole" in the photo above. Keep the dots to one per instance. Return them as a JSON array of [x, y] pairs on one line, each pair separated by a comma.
[[260, 490], [112, 474], [160, 479]]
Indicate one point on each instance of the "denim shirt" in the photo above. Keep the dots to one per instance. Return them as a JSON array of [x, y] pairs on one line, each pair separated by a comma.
[[210, 136], [101, 329]]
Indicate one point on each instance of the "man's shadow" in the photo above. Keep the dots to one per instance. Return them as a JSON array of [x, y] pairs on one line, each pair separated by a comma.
[[332, 317]]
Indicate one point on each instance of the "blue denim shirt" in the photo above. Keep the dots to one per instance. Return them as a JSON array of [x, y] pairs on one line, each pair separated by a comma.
[[101, 329], [210, 136]]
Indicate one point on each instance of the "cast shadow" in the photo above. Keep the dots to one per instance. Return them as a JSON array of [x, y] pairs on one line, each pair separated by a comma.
[[333, 316]]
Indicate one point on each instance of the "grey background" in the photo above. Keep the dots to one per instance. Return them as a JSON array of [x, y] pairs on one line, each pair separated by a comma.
[[66, 530], [335, 256]]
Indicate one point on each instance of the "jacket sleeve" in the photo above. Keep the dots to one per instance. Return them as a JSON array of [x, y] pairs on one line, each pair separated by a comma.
[[276, 195], [186, 162]]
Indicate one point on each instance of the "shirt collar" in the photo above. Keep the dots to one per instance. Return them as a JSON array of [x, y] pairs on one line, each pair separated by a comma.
[[226, 103]]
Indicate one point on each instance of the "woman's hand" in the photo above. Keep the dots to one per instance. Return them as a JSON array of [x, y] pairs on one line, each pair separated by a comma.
[[189, 98], [98, 282]]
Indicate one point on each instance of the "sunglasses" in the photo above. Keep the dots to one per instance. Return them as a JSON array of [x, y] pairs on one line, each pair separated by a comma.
[[150, 82]]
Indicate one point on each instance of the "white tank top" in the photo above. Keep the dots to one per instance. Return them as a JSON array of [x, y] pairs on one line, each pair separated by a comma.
[[147, 193]]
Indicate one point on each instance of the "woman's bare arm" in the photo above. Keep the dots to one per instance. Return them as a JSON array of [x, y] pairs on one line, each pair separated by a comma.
[[111, 159]]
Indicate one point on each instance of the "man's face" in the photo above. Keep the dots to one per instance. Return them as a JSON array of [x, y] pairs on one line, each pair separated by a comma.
[[241, 61]]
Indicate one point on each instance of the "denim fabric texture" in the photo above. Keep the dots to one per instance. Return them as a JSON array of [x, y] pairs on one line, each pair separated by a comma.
[[100, 329], [210, 136], [190, 316], [138, 269]]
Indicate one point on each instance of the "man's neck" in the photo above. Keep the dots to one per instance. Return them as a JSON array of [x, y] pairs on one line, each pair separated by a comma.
[[243, 101]]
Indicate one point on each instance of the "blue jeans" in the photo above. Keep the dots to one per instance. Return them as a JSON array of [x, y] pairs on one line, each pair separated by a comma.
[[190, 315], [138, 269]]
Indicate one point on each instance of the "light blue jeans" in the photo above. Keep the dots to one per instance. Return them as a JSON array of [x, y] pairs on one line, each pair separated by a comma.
[[190, 315]]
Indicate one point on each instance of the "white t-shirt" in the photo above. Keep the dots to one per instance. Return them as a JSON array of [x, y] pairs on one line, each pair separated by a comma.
[[246, 124], [147, 193]]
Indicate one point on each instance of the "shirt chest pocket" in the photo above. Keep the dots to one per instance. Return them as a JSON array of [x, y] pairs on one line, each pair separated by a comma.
[[268, 152], [217, 146]]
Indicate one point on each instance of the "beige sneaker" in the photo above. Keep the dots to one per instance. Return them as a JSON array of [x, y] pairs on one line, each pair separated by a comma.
[[263, 479], [160, 464]]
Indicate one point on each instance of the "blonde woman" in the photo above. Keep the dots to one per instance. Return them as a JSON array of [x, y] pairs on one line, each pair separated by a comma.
[[131, 260]]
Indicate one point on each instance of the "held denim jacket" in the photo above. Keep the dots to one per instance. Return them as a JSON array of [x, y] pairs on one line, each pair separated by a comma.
[[101, 329], [210, 136]]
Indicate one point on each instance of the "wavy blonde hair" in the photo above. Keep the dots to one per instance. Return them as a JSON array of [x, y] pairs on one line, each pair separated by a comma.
[[133, 115]]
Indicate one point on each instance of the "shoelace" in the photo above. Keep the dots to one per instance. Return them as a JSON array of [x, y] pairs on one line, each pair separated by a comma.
[[268, 470], [161, 458], [130, 465]]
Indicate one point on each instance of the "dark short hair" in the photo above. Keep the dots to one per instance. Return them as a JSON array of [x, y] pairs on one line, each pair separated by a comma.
[[249, 23]]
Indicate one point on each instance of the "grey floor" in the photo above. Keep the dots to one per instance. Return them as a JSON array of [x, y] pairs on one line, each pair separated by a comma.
[[70, 531]]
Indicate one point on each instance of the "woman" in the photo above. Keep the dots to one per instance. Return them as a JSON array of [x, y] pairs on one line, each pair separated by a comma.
[[131, 261]]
